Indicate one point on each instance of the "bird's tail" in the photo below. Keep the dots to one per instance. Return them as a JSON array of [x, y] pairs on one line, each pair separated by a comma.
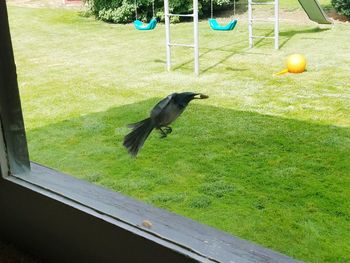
[[137, 137]]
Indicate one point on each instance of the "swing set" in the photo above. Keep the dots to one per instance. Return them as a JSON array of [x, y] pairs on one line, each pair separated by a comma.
[[311, 7], [213, 23]]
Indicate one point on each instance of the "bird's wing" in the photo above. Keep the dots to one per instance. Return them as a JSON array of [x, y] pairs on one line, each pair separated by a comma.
[[162, 104]]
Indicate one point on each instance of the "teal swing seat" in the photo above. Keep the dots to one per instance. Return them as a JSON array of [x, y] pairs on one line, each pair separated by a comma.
[[216, 26], [139, 25]]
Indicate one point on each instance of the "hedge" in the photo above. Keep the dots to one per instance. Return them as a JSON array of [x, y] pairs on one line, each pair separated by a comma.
[[342, 7], [123, 11]]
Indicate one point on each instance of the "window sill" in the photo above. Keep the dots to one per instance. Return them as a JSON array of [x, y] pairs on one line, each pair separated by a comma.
[[177, 233]]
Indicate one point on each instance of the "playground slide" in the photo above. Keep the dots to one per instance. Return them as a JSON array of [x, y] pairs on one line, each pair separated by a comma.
[[314, 11]]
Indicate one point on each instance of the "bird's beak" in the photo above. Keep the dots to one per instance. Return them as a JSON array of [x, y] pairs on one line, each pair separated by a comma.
[[200, 96]]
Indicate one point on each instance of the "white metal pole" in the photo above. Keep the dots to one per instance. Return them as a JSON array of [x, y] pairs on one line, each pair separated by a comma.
[[196, 37], [276, 24], [167, 34], [250, 23]]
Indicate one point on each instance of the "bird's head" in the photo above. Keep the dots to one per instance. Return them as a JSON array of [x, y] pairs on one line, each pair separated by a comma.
[[184, 98]]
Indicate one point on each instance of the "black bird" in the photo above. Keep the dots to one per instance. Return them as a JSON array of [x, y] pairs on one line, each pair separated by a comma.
[[164, 113]]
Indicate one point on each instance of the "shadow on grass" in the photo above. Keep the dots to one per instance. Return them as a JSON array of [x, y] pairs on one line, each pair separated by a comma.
[[207, 140], [291, 33], [243, 168], [288, 35], [210, 50]]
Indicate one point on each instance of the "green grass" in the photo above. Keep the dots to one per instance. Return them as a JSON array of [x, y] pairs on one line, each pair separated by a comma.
[[265, 158]]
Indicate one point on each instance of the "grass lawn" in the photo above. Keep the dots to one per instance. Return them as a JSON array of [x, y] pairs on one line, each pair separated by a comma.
[[265, 158]]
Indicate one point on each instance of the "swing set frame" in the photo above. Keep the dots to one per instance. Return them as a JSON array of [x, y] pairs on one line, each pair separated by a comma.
[[195, 44], [214, 24]]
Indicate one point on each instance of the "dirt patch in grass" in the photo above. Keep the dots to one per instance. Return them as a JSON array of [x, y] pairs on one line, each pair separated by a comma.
[[338, 18], [47, 3], [295, 15]]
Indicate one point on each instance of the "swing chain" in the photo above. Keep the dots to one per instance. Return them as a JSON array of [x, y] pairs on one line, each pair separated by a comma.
[[211, 8], [234, 8], [135, 9], [136, 15]]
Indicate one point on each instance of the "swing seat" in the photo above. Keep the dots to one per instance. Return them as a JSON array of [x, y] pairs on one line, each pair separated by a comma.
[[216, 26], [139, 25]]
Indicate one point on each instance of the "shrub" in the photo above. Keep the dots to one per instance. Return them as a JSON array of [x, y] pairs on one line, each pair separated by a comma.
[[342, 7], [121, 14], [123, 11]]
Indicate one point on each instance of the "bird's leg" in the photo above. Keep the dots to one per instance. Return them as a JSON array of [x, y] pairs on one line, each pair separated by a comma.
[[163, 134], [168, 129], [165, 131]]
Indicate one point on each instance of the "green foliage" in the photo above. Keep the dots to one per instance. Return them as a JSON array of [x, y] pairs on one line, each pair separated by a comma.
[[123, 11], [342, 7], [121, 14]]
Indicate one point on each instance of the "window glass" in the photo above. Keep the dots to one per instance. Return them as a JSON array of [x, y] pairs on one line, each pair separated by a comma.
[[265, 157]]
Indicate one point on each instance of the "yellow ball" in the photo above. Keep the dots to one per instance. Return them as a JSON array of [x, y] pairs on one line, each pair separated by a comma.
[[296, 63]]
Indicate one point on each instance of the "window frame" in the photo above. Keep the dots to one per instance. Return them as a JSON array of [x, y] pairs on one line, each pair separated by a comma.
[[177, 238]]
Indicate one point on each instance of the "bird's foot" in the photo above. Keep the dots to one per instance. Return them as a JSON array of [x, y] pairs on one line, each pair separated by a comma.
[[164, 131], [168, 129], [163, 134]]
